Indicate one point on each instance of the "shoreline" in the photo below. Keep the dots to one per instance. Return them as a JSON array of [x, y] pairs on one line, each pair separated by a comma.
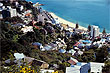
[[70, 24]]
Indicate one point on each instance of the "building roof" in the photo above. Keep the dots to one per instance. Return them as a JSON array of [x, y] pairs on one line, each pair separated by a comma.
[[74, 59], [46, 70], [1, 4], [96, 67], [62, 50], [77, 44], [37, 44], [19, 55], [72, 62], [75, 69], [47, 47]]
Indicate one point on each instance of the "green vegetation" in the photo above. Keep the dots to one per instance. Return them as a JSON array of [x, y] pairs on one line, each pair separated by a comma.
[[14, 40], [104, 32], [89, 28]]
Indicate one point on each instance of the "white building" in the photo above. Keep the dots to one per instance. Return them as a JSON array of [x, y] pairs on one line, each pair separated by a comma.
[[1, 8], [21, 7], [16, 3], [46, 70], [27, 29], [94, 31], [1, 16], [75, 69], [108, 39], [1, 4], [96, 67], [12, 11]]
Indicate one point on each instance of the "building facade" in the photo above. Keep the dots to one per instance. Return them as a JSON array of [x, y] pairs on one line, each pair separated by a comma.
[[94, 31]]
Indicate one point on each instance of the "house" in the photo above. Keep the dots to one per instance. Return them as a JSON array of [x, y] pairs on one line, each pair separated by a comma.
[[46, 70], [76, 48], [59, 26], [81, 45], [102, 41], [72, 61], [88, 46], [65, 26], [6, 13], [16, 3], [50, 29], [33, 61], [69, 34], [85, 68], [86, 41], [81, 67], [1, 14], [75, 69], [21, 7], [19, 55], [27, 29], [96, 67], [43, 31], [17, 60], [62, 50], [72, 51], [78, 68], [80, 52], [54, 46], [69, 29], [1, 4], [108, 39], [20, 25], [56, 21], [47, 47], [76, 45], [14, 61], [51, 46], [27, 11], [28, 15], [12, 11], [37, 45], [9, 12]]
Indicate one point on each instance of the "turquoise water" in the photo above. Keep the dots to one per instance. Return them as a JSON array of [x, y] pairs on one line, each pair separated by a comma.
[[93, 12]]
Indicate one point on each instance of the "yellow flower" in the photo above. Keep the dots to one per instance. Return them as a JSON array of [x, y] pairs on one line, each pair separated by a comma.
[[33, 71], [26, 68], [29, 68], [20, 66], [23, 69], [56, 72]]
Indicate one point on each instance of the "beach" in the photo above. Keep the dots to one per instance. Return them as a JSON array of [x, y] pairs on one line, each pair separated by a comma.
[[70, 24]]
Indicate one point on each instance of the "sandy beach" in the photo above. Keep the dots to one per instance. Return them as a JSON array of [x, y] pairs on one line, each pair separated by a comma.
[[70, 24]]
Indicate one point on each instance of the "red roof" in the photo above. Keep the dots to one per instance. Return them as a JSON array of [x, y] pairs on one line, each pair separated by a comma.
[[72, 62], [77, 44]]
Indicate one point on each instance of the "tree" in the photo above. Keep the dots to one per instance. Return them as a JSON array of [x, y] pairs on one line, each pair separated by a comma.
[[101, 54], [106, 68], [77, 25], [104, 32], [89, 28], [63, 66]]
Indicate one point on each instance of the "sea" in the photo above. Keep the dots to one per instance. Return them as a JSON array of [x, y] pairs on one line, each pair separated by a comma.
[[85, 12]]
